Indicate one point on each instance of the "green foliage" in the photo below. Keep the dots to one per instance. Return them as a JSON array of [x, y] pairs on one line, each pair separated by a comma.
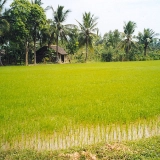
[[80, 57], [27, 20], [107, 55], [4, 29], [129, 28], [36, 21], [30, 30], [4, 24], [112, 38], [47, 35], [72, 45], [20, 10], [36, 18]]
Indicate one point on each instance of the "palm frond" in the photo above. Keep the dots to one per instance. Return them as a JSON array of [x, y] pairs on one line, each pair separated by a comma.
[[2, 3]]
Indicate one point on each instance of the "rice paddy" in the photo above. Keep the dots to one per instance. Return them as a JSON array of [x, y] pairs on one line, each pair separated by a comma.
[[60, 106]]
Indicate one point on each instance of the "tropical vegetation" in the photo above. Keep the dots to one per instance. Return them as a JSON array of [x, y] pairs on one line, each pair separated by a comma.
[[25, 29]]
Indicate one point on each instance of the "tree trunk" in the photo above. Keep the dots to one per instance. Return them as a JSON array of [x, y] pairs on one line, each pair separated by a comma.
[[127, 50], [127, 53], [145, 50], [1, 64], [34, 38], [35, 51], [86, 49], [26, 45], [57, 49]]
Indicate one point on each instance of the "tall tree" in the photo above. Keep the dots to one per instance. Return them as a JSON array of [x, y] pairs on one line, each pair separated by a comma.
[[127, 43], [87, 31], [28, 19], [20, 10], [4, 28], [36, 21], [146, 38], [59, 17]]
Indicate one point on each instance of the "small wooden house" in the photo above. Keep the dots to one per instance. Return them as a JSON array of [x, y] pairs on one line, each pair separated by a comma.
[[42, 53], [62, 55]]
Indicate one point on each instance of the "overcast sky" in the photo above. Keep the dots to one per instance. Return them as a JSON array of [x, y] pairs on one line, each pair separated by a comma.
[[112, 13]]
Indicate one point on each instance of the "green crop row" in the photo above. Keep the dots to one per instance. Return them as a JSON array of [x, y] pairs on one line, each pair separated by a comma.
[[48, 98]]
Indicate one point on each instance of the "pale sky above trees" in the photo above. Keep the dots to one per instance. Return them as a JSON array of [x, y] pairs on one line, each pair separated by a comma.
[[112, 13]]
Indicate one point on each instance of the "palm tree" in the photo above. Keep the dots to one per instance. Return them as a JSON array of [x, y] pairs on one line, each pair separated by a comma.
[[36, 2], [146, 38], [127, 43], [59, 17], [4, 28], [87, 31], [2, 2]]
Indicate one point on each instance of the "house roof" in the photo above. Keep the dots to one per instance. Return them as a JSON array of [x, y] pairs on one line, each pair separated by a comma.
[[60, 50]]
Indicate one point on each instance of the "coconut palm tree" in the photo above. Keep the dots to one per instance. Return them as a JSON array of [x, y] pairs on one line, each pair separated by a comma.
[[146, 38], [36, 2], [2, 3], [59, 17], [87, 31], [127, 43]]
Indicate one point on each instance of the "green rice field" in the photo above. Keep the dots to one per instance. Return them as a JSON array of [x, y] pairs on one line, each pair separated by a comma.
[[63, 103]]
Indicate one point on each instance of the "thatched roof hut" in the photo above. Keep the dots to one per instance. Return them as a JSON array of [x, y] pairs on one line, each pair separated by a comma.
[[60, 50], [42, 53]]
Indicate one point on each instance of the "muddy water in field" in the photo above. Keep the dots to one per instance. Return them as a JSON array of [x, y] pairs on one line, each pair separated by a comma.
[[86, 135]]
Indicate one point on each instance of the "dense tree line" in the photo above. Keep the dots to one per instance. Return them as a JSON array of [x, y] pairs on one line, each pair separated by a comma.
[[24, 29]]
